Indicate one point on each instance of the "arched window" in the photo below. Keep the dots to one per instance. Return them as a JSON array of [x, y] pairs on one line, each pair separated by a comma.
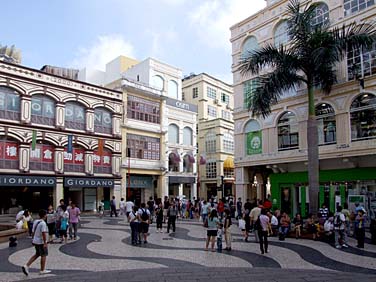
[[187, 136], [280, 34], [43, 157], [228, 143], [326, 124], [173, 134], [74, 161], [158, 82], [9, 153], [188, 162], [43, 110], [288, 132], [363, 117], [253, 138], [321, 15], [249, 46], [102, 163], [75, 116], [9, 104], [173, 89], [173, 161], [102, 121], [210, 142]]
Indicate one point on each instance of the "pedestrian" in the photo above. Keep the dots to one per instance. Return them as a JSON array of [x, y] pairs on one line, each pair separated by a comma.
[[143, 217], [29, 221], [263, 227], [166, 205], [113, 207], [51, 223], [324, 212], [129, 207], [247, 226], [346, 213], [239, 205], [298, 225], [171, 214], [40, 231], [221, 208], [74, 217], [133, 221], [219, 237], [122, 207], [255, 213], [64, 224], [340, 229], [212, 229], [227, 229], [59, 213], [150, 204], [360, 228], [159, 215]]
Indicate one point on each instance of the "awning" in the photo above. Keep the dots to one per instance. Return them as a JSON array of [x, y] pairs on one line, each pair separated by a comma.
[[175, 157], [228, 163]]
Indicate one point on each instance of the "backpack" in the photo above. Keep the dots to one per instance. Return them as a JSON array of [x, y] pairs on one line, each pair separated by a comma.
[[144, 215], [337, 221]]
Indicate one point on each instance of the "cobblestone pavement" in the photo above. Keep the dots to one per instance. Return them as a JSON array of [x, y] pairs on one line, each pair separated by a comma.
[[103, 251]]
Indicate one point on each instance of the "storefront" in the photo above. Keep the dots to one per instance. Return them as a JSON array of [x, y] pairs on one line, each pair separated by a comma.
[[181, 185], [87, 192], [140, 188], [26, 192]]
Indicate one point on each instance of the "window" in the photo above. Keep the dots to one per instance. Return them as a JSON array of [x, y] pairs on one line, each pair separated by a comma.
[[42, 110], [75, 161], [187, 136], [183, 96], [212, 111], [249, 87], [281, 36], [9, 154], [173, 89], [173, 134], [228, 172], [210, 142], [211, 169], [102, 121], [253, 138], [75, 116], [288, 136], [354, 6], [249, 46], [9, 104], [321, 15], [195, 92], [228, 143], [363, 117], [158, 82], [212, 93], [42, 158], [225, 98], [173, 162], [326, 124], [102, 163], [188, 162], [143, 110], [143, 147], [361, 62], [226, 115]]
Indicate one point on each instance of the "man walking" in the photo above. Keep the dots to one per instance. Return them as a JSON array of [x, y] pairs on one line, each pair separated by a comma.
[[74, 218], [113, 207], [339, 229], [129, 207], [122, 207], [40, 233]]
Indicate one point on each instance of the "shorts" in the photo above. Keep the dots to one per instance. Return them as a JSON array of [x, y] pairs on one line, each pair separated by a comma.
[[40, 250], [127, 213], [51, 228], [165, 213], [144, 227], [63, 233], [212, 233]]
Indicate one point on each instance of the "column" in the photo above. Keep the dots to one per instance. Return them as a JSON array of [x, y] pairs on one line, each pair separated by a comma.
[[90, 120], [193, 191], [89, 169], [25, 109], [116, 164], [116, 125], [60, 115], [59, 159], [180, 189], [24, 154], [59, 191]]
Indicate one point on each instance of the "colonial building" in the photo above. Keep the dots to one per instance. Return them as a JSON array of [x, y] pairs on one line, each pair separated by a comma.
[[215, 138], [273, 151], [59, 138]]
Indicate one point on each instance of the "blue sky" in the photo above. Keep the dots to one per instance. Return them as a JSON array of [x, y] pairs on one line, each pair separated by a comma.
[[192, 35]]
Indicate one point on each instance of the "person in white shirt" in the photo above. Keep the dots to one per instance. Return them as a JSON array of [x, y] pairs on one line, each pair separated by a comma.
[[133, 220], [144, 219], [40, 231], [129, 207], [122, 207], [340, 228]]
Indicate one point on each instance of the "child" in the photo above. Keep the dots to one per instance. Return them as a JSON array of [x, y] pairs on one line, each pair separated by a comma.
[[219, 237], [64, 225]]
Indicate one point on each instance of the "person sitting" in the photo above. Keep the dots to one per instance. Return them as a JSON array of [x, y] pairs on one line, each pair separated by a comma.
[[329, 227], [298, 225], [285, 226]]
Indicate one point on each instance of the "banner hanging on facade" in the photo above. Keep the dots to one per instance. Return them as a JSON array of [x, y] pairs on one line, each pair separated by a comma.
[[254, 143], [70, 144], [34, 140]]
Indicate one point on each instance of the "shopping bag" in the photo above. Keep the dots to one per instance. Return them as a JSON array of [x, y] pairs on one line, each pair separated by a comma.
[[24, 225], [241, 224]]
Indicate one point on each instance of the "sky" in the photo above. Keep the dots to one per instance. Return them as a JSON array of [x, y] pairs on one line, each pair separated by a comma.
[[192, 35]]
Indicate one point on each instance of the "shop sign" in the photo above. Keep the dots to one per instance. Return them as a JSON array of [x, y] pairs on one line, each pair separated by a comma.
[[181, 105], [140, 182], [32, 181], [88, 182], [76, 157], [181, 179], [104, 160], [42, 153], [254, 143], [9, 150]]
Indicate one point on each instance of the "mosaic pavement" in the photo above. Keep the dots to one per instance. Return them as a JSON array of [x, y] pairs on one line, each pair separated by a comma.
[[104, 251]]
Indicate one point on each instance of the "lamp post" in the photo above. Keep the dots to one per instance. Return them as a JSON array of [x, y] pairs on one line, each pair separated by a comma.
[[223, 186]]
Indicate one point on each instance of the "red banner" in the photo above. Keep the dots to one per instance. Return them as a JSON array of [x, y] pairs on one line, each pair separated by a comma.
[[104, 160], [42, 153], [10, 151]]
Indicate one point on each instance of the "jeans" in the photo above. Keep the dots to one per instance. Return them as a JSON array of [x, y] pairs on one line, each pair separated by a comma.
[[204, 217], [30, 227], [74, 225], [284, 230], [113, 210], [171, 221], [134, 232], [263, 236], [340, 234]]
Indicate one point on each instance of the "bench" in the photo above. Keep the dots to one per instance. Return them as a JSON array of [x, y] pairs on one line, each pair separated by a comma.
[[5, 234]]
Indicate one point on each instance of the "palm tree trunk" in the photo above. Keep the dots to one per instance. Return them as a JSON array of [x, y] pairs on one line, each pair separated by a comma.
[[313, 154]]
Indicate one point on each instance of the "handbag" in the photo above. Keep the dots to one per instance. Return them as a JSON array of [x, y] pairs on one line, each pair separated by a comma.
[[241, 224], [24, 225]]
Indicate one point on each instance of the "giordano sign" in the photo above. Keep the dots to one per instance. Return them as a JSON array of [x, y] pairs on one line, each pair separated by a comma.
[[38, 181], [88, 182]]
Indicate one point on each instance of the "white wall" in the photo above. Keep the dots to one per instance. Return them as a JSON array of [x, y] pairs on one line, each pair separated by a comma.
[[92, 76]]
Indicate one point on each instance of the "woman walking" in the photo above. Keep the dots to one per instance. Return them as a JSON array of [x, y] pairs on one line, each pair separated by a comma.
[[212, 230]]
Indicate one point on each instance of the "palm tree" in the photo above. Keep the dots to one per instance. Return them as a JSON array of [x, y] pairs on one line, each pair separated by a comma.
[[309, 59]]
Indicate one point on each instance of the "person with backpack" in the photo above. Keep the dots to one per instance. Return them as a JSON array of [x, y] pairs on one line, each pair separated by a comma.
[[133, 221], [171, 215], [143, 217], [339, 229], [227, 224], [262, 225], [113, 207]]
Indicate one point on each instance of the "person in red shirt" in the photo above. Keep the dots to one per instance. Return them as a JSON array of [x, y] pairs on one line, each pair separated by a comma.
[[267, 204], [221, 208]]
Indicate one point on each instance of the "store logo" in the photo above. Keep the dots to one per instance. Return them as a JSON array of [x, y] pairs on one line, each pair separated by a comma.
[[8, 180]]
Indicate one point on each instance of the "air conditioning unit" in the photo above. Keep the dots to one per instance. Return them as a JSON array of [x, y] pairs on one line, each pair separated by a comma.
[[216, 101]]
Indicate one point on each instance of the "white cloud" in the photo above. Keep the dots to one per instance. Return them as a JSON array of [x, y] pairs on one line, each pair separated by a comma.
[[159, 40], [103, 50], [213, 19]]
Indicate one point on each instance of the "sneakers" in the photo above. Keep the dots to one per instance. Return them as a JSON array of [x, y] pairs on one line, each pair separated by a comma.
[[44, 272], [345, 246], [338, 247], [25, 270]]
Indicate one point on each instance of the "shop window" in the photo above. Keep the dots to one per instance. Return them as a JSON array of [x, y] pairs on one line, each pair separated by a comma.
[[9, 154], [326, 124], [228, 143], [74, 161], [249, 46], [173, 134], [143, 110], [187, 136], [102, 163], [42, 158], [288, 132], [361, 62], [281, 36], [321, 15], [355, 6], [211, 169], [173, 89], [188, 162], [43, 110], [9, 104], [253, 138], [75, 116], [210, 142], [102, 121], [363, 117], [173, 162], [143, 147]]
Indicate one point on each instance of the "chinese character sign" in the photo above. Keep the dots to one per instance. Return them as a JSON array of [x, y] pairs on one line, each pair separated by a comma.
[[254, 143], [104, 160], [8, 150], [42, 153], [76, 157]]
